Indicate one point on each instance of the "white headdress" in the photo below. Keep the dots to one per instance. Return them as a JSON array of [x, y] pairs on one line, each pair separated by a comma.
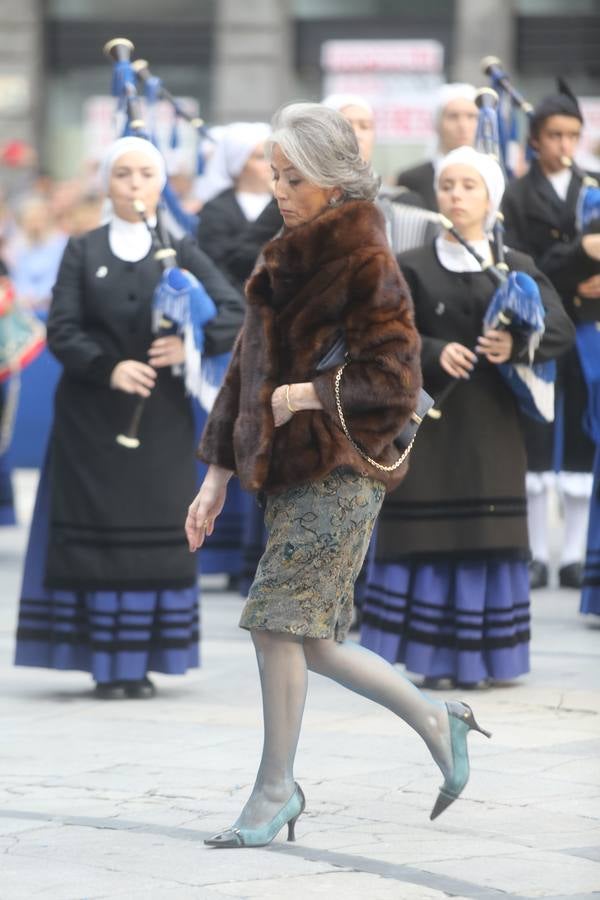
[[128, 145], [486, 166]]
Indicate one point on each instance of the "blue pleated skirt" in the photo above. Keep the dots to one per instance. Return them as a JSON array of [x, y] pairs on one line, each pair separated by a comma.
[[222, 552], [7, 503], [590, 594], [114, 635], [462, 620]]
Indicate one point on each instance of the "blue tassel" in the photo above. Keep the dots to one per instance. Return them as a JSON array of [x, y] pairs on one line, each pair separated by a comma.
[[587, 214], [180, 297], [520, 297]]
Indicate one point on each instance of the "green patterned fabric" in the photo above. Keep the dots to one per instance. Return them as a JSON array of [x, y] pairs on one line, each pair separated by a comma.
[[318, 537]]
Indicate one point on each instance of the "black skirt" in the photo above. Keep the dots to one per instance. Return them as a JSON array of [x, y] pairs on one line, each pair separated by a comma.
[[117, 515]]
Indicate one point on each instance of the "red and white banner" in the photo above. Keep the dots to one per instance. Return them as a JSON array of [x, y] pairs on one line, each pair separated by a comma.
[[399, 79]]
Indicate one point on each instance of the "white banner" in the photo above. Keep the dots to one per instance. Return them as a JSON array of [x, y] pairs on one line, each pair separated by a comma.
[[400, 80]]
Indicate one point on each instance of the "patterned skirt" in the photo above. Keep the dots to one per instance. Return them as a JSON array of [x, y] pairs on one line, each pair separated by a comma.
[[590, 595], [254, 541], [318, 535], [114, 635], [462, 620]]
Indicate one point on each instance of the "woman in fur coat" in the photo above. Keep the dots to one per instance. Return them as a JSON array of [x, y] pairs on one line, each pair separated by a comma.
[[276, 425]]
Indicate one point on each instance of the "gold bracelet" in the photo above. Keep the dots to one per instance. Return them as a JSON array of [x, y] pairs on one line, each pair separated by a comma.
[[287, 399]]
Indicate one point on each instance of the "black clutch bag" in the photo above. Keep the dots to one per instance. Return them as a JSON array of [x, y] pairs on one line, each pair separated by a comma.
[[338, 357]]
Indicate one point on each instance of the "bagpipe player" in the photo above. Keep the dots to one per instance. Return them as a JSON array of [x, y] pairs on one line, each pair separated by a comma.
[[108, 586]]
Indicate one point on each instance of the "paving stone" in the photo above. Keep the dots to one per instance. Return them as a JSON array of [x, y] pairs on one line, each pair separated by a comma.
[[112, 801]]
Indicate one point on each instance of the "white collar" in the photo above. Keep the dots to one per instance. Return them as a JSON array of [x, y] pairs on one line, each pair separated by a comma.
[[252, 204], [129, 241], [560, 181], [455, 258]]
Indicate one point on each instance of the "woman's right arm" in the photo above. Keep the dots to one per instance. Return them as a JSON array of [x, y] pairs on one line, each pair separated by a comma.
[[206, 506], [73, 346]]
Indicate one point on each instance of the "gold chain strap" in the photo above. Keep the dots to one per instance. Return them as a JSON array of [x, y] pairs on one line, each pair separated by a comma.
[[338, 379]]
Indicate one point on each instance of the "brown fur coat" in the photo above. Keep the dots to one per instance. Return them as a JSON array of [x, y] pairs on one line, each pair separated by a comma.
[[333, 273]]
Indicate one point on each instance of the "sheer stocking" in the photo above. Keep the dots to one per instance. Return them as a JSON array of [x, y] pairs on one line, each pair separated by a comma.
[[368, 674], [283, 660], [283, 678]]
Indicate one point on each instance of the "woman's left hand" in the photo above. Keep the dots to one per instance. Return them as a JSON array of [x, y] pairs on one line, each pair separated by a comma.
[[279, 405], [496, 346], [166, 351]]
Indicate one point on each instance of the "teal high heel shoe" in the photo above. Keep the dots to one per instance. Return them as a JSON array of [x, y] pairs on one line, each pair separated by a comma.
[[260, 837], [461, 721]]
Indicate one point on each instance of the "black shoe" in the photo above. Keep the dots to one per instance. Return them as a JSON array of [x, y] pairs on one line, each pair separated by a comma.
[[142, 689], [110, 690], [484, 684], [538, 574], [571, 576], [442, 683]]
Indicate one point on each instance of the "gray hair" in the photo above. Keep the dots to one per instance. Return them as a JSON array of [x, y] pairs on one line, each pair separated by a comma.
[[321, 144]]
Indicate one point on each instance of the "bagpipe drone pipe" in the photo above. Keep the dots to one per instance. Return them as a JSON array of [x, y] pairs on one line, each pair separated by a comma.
[[588, 205], [510, 101], [180, 303], [587, 214], [587, 220], [180, 306], [127, 76]]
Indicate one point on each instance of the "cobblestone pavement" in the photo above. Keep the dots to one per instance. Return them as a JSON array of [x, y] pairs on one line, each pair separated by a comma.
[[112, 799]]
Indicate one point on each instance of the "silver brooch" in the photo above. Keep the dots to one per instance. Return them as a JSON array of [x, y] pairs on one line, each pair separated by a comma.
[[440, 309], [101, 272]]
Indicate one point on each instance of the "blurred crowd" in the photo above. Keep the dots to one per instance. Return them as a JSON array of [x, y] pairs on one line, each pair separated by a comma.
[[227, 210]]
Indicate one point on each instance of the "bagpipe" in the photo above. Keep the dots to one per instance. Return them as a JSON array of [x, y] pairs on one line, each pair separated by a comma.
[[587, 216], [180, 306], [126, 78], [510, 101], [153, 90], [587, 220], [587, 213], [516, 304]]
